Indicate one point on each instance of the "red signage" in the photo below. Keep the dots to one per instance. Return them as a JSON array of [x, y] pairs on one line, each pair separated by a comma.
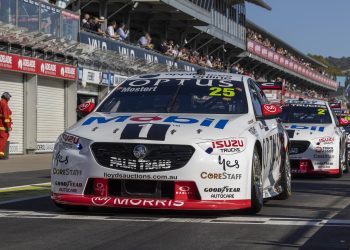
[[37, 66], [260, 50]]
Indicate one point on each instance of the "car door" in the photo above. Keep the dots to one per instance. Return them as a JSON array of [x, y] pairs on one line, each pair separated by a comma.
[[272, 140]]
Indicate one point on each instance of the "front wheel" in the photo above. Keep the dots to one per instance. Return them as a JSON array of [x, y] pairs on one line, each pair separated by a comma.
[[257, 199], [340, 174], [286, 180]]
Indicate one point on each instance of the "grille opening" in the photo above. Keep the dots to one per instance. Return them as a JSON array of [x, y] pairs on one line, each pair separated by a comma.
[[298, 147], [160, 157], [136, 188]]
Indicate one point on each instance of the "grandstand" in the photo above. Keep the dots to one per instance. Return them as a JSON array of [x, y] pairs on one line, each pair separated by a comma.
[[88, 54]]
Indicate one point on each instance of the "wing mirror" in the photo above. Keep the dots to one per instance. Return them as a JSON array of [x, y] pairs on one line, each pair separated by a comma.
[[86, 108], [271, 110], [343, 122]]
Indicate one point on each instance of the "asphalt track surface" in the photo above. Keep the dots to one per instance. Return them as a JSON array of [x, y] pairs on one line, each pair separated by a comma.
[[317, 216]]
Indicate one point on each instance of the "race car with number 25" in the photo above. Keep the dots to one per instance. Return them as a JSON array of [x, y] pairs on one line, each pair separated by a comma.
[[317, 139], [180, 141]]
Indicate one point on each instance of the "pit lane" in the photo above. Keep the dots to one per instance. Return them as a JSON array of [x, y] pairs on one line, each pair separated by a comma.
[[316, 216]]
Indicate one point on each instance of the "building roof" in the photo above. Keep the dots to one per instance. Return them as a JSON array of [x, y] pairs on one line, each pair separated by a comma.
[[260, 3]]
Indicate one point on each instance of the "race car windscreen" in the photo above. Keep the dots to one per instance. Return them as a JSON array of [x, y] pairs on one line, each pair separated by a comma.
[[209, 96], [306, 114]]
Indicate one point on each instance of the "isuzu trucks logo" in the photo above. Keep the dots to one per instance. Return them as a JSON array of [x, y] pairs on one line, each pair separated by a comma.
[[140, 151]]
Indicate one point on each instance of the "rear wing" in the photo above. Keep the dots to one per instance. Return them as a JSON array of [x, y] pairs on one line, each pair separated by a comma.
[[270, 85]]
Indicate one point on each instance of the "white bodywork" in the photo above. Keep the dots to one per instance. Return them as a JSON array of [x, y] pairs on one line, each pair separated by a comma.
[[221, 173], [327, 142]]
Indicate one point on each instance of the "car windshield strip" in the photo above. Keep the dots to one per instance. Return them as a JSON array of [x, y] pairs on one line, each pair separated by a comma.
[[202, 96], [306, 114]]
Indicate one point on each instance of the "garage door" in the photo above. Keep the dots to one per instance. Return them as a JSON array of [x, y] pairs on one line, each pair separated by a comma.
[[50, 112], [12, 82]]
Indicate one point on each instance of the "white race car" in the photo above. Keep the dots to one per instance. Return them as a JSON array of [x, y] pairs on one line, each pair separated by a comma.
[[317, 139], [175, 141]]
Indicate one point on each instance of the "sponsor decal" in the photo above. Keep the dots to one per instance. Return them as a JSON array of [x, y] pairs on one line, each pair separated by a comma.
[[68, 190], [220, 176], [36, 66], [302, 127], [67, 172], [27, 64], [134, 202], [326, 140], [68, 184], [139, 176], [225, 146], [48, 68], [61, 159], [70, 139], [323, 156], [6, 61], [252, 130], [272, 150], [324, 149], [139, 165], [227, 164], [270, 109], [206, 122], [100, 201], [225, 192], [142, 89]]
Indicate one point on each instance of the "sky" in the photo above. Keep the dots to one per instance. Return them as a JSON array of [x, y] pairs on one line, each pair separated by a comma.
[[319, 27]]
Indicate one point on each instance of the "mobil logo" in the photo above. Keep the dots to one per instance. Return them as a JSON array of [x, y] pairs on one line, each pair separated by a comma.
[[303, 127], [204, 122]]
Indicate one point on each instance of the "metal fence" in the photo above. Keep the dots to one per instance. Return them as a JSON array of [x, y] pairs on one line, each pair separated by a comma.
[[37, 16]]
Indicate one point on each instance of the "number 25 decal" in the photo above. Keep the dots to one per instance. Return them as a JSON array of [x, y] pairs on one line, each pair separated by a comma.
[[321, 111], [218, 91]]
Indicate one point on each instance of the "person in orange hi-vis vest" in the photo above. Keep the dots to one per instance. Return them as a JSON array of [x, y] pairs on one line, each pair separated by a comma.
[[5, 122]]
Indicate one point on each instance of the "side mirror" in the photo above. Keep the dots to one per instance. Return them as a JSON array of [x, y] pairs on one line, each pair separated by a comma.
[[271, 110], [85, 108], [343, 122]]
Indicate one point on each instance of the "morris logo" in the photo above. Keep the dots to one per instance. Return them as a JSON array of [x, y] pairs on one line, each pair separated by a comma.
[[100, 201], [140, 151]]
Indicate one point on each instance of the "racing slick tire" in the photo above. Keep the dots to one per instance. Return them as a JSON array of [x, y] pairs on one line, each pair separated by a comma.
[[286, 180], [340, 174], [257, 199], [71, 208], [346, 162]]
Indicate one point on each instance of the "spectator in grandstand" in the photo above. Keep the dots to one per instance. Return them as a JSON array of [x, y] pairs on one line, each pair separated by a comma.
[[163, 47], [122, 31], [96, 26], [145, 41], [234, 69], [208, 62], [111, 30], [85, 19]]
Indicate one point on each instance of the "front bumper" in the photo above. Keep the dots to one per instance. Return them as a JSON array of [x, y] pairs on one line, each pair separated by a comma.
[[148, 203], [298, 168]]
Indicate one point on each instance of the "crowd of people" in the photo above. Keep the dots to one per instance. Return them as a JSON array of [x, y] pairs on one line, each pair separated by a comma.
[[119, 31], [256, 37]]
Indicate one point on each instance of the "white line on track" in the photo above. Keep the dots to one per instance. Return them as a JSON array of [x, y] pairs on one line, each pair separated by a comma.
[[249, 220], [25, 186]]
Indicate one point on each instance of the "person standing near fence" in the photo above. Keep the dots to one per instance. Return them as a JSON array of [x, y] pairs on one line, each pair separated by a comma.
[[5, 123]]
